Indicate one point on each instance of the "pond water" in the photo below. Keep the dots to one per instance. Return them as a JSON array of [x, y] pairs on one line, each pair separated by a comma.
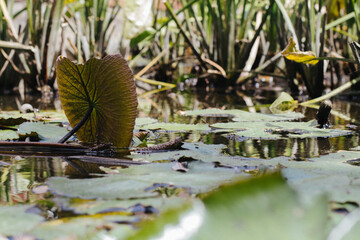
[[23, 174]]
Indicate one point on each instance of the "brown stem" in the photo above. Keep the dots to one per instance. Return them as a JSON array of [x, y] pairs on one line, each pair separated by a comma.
[[78, 126]]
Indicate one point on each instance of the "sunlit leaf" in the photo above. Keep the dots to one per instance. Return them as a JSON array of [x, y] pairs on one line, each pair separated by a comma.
[[15, 220], [283, 104], [261, 208], [108, 86], [291, 53]]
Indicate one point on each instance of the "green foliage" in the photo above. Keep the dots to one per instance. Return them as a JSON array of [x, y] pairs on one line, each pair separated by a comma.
[[106, 86], [37, 51], [41, 131], [139, 181], [234, 211], [17, 220]]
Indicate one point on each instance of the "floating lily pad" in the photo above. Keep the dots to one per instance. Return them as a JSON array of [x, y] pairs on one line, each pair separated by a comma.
[[276, 130], [15, 220], [137, 181], [178, 127], [9, 119], [93, 227], [244, 116], [8, 135], [331, 174], [12, 118], [240, 210], [210, 153], [139, 122], [45, 132], [128, 206]]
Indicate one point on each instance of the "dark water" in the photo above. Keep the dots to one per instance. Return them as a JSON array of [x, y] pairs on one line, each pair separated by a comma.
[[21, 175]]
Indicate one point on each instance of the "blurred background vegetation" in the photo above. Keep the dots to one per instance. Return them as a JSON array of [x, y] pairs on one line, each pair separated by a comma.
[[220, 44]]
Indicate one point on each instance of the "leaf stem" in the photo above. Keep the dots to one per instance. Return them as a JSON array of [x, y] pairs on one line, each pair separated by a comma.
[[78, 126], [332, 93]]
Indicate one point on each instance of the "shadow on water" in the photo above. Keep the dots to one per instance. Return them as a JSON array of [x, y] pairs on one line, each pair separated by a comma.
[[20, 175]]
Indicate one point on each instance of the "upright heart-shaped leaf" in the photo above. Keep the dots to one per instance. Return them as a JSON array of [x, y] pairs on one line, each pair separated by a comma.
[[108, 86]]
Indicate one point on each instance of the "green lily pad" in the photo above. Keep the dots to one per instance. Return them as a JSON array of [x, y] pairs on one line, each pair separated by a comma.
[[12, 118], [45, 132], [128, 206], [138, 181], [139, 122], [8, 135], [108, 86], [209, 153], [94, 227], [331, 174], [244, 116], [178, 127], [16, 221], [9, 119], [276, 130], [261, 208], [283, 104]]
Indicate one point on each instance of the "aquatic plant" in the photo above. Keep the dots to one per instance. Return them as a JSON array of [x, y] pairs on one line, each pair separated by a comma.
[[99, 99]]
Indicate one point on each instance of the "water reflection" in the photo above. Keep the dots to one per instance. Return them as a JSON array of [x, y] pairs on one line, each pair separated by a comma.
[[19, 175]]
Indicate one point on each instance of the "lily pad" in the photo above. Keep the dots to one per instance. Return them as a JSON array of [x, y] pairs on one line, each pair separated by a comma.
[[178, 127], [283, 104], [240, 210], [138, 181], [93, 227], [8, 119], [210, 153], [139, 122], [244, 116], [8, 135], [108, 86], [129, 206], [15, 220], [331, 174], [45, 132], [276, 130]]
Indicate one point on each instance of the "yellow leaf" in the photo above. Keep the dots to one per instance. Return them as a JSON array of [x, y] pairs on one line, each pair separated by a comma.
[[291, 53]]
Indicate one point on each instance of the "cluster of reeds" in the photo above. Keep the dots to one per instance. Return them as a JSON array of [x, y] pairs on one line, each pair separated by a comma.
[[233, 40], [36, 32]]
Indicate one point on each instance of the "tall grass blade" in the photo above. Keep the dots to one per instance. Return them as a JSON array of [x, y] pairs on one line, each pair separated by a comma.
[[287, 21]]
